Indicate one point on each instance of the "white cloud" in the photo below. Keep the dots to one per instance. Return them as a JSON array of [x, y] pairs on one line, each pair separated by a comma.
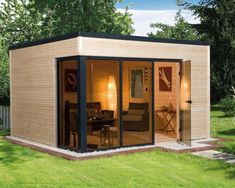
[[143, 18], [1, 1]]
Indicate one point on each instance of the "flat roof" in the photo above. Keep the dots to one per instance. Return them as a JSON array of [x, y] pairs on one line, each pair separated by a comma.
[[107, 36]]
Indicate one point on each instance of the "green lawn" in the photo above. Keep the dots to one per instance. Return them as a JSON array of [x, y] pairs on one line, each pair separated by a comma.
[[223, 127], [22, 167]]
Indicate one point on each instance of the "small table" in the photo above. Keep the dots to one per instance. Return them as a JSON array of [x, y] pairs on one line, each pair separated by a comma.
[[168, 116], [91, 123], [106, 136]]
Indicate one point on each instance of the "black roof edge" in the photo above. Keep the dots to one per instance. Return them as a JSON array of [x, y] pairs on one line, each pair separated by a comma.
[[108, 36]]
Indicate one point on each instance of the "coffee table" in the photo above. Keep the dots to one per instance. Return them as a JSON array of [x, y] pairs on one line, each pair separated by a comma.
[[102, 122]]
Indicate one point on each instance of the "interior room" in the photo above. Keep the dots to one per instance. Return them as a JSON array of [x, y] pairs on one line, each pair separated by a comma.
[[137, 102], [166, 104], [103, 105], [103, 116], [68, 130], [102, 88]]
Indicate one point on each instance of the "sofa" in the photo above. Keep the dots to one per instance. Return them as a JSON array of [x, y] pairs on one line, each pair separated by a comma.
[[136, 118]]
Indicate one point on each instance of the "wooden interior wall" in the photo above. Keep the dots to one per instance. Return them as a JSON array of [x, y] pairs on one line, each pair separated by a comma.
[[98, 73], [70, 96], [164, 98], [33, 77], [65, 95], [127, 65]]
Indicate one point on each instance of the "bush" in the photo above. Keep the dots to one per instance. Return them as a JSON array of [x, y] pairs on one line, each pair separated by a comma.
[[228, 106], [4, 101], [1, 123]]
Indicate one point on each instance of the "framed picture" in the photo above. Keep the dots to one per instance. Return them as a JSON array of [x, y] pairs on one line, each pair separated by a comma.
[[136, 83], [165, 78], [70, 80]]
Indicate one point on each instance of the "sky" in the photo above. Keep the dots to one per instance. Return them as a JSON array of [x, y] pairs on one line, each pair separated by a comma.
[[145, 12], [152, 4]]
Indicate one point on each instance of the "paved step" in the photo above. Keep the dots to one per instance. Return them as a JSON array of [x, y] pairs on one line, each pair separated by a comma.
[[216, 155]]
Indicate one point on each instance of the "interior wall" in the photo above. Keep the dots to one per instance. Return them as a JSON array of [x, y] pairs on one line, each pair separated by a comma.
[[64, 95], [164, 98], [127, 65], [98, 74], [68, 96]]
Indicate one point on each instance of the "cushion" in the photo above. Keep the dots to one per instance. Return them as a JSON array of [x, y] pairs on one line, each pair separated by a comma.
[[132, 118], [135, 112], [108, 114]]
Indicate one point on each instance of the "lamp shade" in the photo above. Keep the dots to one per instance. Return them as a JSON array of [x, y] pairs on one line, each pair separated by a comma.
[[112, 94]]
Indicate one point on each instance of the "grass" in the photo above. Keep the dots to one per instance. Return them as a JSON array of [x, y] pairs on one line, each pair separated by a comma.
[[223, 127], [23, 167]]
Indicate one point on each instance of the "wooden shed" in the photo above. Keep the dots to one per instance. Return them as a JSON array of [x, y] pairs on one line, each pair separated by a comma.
[[95, 91]]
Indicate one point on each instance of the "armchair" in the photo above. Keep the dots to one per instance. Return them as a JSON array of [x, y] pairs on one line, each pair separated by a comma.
[[136, 118]]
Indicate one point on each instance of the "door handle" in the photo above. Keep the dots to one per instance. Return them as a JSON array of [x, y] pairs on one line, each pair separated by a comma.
[[189, 101]]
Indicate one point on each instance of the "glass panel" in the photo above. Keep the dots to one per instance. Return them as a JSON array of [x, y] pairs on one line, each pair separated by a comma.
[[137, 102], [68, 130], [102, 104], [185, 102], [166, 104]]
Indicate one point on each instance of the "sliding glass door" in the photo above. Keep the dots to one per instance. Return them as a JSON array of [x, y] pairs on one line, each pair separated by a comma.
[[102, 104], [67, 88], [137, 102]]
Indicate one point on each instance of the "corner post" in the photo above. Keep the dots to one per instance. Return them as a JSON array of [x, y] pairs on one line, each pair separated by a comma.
[[153, 102], [81, 101], [121, 101]]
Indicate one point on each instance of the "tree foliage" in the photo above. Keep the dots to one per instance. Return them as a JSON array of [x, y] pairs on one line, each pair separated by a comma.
[[86, 15], [28, 20], [181, 29], [4, 70], [20, 22], [218, 25]]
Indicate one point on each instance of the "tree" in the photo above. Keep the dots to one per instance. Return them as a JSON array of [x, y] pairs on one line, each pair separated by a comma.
[[63, 17], [218, 25], [20, 22], [4, 70], [28, 20], [181, 30]]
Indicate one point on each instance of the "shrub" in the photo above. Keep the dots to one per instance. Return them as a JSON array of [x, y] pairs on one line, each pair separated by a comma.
[[1, 123], [228, 106]]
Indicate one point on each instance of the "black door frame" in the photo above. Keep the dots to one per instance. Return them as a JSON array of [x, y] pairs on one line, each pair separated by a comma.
[[81, 75]]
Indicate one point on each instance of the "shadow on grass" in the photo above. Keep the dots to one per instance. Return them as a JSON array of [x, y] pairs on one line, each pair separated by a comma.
[[11, 154], [222, 116], [230, 132], [228, 147], [5, 133], [229, 169], [216, 108]]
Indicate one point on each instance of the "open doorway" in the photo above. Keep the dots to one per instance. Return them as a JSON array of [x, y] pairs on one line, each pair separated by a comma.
[[167, 101]]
